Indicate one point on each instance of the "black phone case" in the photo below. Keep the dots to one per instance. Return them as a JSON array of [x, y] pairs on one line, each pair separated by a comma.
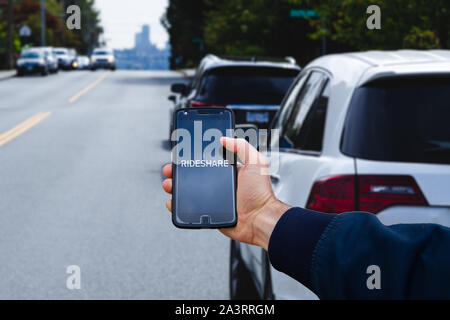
[[174, 195]]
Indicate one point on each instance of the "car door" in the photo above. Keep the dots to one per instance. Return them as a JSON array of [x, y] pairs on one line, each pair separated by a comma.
[[253, 256], [295, 166], [301, 117], [300, 160]]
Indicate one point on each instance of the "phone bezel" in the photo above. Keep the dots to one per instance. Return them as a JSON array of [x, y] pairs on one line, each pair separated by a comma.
[[174, 169]]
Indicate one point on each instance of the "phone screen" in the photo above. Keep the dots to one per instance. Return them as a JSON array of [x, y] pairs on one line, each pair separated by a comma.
[[204, 182]]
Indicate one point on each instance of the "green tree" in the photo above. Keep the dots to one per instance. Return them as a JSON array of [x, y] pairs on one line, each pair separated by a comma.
[[416, 24], [28, 12], [85, 39], [184, 21]]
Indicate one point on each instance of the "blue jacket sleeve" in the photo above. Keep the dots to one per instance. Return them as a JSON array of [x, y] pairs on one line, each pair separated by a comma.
[[354, 256]]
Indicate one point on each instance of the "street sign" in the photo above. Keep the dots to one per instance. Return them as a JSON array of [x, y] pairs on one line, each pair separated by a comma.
[[25, 31], [303, 13]]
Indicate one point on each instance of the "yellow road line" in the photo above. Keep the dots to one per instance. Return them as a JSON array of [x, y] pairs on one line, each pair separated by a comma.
[[22, 127], [88, 88]]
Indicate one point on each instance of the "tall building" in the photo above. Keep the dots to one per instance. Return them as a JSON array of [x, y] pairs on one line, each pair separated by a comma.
[[145, 55]]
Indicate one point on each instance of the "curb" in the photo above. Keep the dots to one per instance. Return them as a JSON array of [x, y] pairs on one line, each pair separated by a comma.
[[7, 75]]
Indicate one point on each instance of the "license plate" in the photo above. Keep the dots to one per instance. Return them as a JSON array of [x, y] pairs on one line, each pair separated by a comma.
[[261, 117]]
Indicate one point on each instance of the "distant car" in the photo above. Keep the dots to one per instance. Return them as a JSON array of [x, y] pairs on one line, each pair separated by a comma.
[[103, 58], [32, 61], [84, 62], [51, 58], [366, 131], [252, 88], [74, 58], [66, 58]]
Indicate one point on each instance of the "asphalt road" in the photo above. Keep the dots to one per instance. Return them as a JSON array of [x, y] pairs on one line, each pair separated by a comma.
[[80, 185]]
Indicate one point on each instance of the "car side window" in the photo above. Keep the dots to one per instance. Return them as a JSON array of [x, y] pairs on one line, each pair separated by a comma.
[[197, 77], [307, 98], [311, 133], [289, 103]]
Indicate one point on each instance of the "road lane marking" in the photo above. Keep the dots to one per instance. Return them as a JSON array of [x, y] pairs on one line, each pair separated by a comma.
[[88, 88], [22, 127]]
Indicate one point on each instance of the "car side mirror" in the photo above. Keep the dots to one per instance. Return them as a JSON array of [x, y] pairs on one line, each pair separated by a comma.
[[172, 98], [180, 88]]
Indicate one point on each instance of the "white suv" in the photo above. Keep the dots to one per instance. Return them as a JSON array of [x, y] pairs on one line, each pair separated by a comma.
[[103, 58], [366, 131]]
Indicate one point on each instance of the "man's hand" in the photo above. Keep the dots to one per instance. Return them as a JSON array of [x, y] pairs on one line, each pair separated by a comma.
[[257, 207]]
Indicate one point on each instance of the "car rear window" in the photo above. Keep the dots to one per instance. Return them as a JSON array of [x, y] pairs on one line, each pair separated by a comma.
[[30, 55], [245, 85], [400, 120], [101, 53]]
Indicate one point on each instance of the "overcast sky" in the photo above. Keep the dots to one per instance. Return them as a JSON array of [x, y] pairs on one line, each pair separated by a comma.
[[121, 19]]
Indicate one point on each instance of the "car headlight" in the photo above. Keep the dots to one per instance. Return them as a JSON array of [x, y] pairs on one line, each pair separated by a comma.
[[41, 62], [111, 59], [20, 63], [93, 59]]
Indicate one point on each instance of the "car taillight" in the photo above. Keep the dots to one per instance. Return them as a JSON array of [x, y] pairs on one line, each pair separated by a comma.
[[370, 193], [377, 192], [199, 104], [333, 195]]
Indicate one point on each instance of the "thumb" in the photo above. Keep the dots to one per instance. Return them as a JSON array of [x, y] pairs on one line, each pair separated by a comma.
[[244, 150]]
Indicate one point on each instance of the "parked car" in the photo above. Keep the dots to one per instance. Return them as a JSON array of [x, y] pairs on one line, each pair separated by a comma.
[[361, 131], [73, 55], [84, 62], [66, 58], [32, 61], [252, 88], [103, 58], [52, 60]]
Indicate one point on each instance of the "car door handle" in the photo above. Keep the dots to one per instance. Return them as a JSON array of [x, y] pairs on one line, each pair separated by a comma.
[[274, 178]]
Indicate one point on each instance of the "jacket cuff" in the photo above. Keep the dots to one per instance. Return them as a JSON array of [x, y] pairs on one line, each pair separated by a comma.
[[293, 240]]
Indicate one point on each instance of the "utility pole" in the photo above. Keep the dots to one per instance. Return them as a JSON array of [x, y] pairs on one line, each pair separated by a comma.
[[63, 25], [43, 23], [9, 50]]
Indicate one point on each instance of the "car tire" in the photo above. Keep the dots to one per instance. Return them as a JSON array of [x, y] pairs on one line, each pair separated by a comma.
[[44, 72], [113, 69], [241, 283], [93, 69]]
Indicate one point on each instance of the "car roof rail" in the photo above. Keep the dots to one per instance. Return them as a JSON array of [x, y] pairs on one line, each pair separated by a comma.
[[290, 60]]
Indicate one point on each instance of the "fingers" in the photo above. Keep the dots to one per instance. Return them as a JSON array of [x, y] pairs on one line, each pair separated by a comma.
[[167, 185], [167, 170], [244, 150], [169, 205]]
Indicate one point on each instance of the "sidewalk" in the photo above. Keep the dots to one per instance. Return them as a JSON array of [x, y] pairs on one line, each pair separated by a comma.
[[7, 74]]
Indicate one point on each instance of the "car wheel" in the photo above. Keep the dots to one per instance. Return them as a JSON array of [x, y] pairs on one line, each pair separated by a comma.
[[242, 286], [44, 72], [93, 69]]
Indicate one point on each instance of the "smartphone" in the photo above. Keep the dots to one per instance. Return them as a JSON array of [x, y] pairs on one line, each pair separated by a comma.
[[204, 175]]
